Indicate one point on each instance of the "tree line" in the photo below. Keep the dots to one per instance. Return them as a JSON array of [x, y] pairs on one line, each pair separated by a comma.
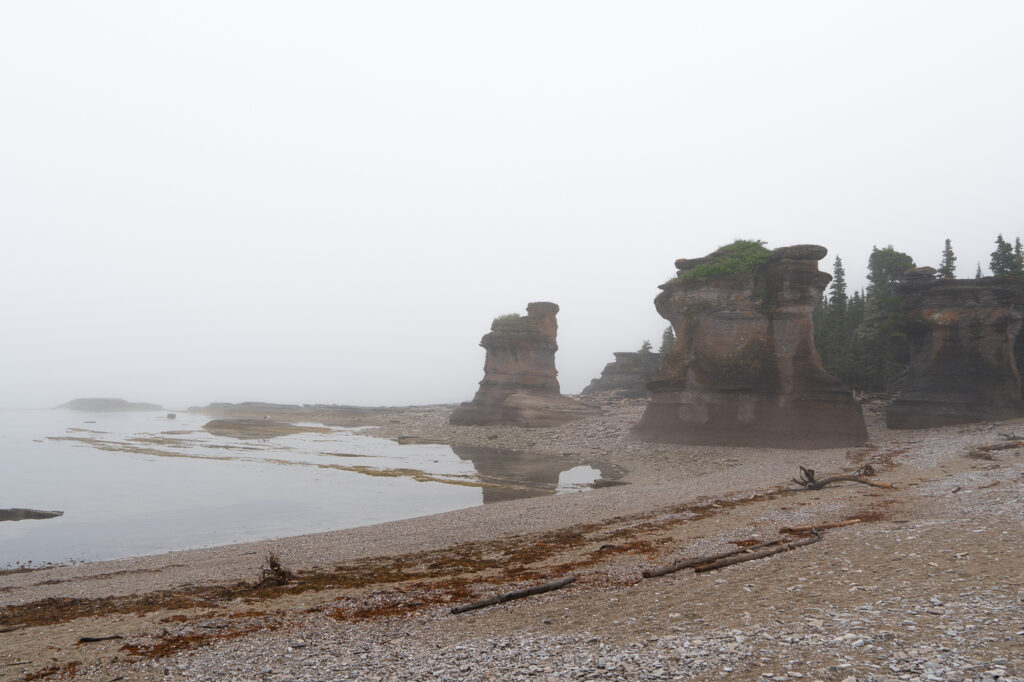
[[862, 338]]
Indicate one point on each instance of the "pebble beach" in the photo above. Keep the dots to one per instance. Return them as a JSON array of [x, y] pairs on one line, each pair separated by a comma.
[[924, 581]]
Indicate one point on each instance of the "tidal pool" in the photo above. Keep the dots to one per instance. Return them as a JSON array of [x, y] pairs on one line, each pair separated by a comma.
[[136, 483]]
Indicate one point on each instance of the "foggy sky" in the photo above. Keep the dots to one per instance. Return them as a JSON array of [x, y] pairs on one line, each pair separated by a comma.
[[330, 201]]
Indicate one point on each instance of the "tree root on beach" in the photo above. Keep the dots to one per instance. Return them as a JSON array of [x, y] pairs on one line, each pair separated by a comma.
[[808, 481], [518, 594], [273, 573]]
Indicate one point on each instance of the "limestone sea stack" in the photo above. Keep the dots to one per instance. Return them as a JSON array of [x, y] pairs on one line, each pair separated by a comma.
[[520, 384], [628, 375], [744, 370], [963, 365]]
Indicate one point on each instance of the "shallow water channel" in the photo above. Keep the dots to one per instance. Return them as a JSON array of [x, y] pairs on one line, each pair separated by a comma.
[[134, 483]]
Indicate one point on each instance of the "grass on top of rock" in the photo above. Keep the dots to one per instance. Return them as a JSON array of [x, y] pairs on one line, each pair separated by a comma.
[[739, 258], [510, 322]]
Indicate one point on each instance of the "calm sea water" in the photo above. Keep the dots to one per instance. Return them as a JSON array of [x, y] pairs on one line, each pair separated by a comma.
[[138, 483]]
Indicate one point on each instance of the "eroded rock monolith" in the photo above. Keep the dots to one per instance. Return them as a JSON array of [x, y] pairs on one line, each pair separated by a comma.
[[520, 384], [628, 375], [744, 369], [963, 367]]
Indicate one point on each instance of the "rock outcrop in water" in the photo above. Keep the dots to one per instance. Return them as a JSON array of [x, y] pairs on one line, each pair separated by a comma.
[[108, 405], [258, 428], [628, 376], [18, 514], [963, 365], [744, 369], [520, 384]]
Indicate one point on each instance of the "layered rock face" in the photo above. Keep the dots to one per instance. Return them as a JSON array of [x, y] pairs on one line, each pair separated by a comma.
[[744, 369], [520, 384], [628, 376], [963, 367]]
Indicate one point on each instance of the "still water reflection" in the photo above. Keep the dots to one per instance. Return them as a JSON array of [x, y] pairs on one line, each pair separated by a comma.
[[138, 483]]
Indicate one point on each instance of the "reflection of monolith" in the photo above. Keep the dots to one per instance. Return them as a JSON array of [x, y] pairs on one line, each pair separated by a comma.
[[520, 385], [962, 334], [511, 475], [744, 369]]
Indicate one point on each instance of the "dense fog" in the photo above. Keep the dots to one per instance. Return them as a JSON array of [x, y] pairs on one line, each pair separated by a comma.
[[330, 202]]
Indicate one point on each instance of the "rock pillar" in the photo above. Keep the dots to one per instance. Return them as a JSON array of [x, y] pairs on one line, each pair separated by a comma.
[[963, 367], [520, 384], [744, 369]]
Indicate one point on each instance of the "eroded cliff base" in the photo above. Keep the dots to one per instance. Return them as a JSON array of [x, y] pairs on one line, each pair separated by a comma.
[[823, 421]]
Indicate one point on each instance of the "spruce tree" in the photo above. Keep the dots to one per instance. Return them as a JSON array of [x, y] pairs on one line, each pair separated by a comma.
[[881, 348], [837, 300], [978, 274], [668, 339], [885, 267], [947, 269], [831, 325], [1002, 262]]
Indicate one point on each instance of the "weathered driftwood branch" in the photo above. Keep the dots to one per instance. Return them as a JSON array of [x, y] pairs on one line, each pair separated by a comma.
[[518, 594], [985, 451], [820, 526], [807, 480], [699, 561], [757, 555]]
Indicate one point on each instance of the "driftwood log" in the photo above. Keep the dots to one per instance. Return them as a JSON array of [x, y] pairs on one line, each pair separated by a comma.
[[820, 526], [518, 594], [751, 556], [700, 561], [86, 640], [808, 481]]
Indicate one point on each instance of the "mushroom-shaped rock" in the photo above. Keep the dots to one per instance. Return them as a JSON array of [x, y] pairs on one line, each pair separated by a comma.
[[744, 369]]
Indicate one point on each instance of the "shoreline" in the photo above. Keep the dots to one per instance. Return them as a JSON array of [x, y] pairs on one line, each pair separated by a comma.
[[678, 499], [655, 468]]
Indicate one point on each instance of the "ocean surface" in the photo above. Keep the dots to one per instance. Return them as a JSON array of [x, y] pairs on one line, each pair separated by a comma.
[[134, 483]]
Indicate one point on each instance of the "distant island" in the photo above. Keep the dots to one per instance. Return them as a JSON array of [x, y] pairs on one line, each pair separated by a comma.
[[108, 405]]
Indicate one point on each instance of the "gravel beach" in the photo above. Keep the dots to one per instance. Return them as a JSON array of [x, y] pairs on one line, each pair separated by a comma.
[[928, 583]]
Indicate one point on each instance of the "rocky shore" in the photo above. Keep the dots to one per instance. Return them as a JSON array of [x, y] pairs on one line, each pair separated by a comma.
[[926, 585]]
